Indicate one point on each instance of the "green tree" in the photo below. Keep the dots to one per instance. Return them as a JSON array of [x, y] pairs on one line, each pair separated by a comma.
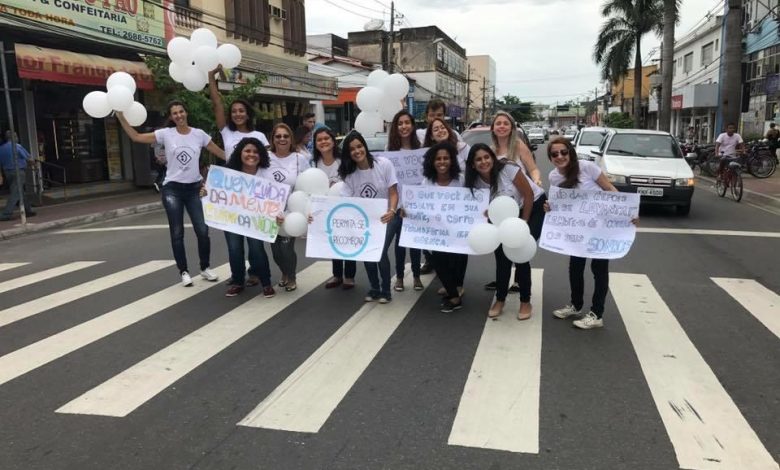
[[521, 111], [618, 121], [627, 21]]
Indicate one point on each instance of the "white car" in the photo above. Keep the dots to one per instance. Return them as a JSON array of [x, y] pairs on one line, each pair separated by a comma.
[[649, 163], [536, 135], [589, 138], [570, 134]]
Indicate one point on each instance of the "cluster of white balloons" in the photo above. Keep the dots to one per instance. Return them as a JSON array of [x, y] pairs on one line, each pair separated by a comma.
[[379, 101], [192, 59], [507, 229], [311, 181], [119, 96]]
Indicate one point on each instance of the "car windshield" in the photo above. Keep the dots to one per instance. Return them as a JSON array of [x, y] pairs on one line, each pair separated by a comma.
[[638, 145], [536, 131], [591, 138], [477, 137]]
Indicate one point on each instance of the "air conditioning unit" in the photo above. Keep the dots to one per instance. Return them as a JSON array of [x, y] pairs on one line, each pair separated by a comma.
[[277, 13]]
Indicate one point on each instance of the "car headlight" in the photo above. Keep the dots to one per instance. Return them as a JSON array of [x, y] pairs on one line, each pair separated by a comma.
[[684, 182], [619, 179]]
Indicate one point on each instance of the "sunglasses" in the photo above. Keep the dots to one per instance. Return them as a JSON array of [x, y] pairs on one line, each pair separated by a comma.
[[562, 152], [282, 136]]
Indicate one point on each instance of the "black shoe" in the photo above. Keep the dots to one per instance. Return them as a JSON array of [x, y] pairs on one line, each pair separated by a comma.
[[30, 213], [426, 268], [515, 287], [490, 285], [449, 307]]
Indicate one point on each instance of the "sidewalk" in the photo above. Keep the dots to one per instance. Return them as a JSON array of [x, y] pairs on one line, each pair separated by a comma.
[[762, 192], [85, 211]]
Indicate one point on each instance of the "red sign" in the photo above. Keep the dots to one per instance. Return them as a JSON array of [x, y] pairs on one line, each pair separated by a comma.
[[677, 101]]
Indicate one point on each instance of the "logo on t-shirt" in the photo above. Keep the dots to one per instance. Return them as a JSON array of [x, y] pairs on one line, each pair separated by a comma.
[[368, 191], [279, 176], [183, 157]]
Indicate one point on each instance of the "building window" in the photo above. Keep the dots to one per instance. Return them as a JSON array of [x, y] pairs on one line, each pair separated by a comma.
[[706, 54], [688, 62], [716, 44]]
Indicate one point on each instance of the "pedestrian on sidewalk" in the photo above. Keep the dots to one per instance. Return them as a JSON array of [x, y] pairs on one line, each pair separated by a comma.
[[9, 175], [181, 188], [772, 137]]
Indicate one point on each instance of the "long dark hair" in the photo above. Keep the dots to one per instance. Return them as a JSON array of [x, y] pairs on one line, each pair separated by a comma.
[[429, 162], [451, 137], [348, 166], [250, 114], [572, 174], [170, 106], [316, 155], [234, 163], [394, 141], [470, 180]]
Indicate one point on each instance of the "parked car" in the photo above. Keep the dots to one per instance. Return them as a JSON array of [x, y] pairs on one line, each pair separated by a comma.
[[589, 138], [536, 135], [648, 163], [482, 135], [376, 143], [570, 133]]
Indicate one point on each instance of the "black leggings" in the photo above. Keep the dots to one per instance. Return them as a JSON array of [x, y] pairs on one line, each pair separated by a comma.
[[600, 269], [522, 271], [450, 268]]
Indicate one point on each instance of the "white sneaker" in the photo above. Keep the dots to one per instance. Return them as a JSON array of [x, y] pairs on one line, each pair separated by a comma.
[[588, 322], [209, 275], [186, 280], [566, 312]]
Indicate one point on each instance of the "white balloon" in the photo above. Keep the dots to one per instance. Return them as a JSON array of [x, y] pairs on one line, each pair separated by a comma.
[[377, 78], [389, 108], [483, 239], [299, 202], [281, 232], [396, 86], [369, 123], [313, 181], [180, 50], [523, 253], [295, 224], [135, 114], [335, 190], [95, 104], [176, 72], [513, 231], [502, 207], [121, 79], [194, 79], [203, 37], [229, 55], [206, 58], [369, 98], [119, 98]]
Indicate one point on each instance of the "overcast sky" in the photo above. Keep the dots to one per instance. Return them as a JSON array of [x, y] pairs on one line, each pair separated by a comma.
[[543, 48]]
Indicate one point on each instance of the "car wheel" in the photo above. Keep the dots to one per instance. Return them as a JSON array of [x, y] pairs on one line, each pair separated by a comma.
[[684, 210]]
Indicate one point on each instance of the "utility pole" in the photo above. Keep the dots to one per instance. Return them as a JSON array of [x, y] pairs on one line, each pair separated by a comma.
[[494, 99], [484, 99], [468, 91], [730, 85], [20, 176], [391, 53]]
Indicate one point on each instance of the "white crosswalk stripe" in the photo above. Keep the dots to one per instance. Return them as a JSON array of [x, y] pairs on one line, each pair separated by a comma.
[[7, 266], [759, 301], [44, 275]]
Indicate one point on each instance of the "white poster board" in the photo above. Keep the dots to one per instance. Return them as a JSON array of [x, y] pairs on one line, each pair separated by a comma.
[[439, 218], [346, 228], [408, 165], [590, 224], [242, 203]]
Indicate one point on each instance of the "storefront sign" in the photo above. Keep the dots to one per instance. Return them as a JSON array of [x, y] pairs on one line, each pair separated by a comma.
[[677, 101], [121, 21], [408, 164], [54, 65], [244, 204], [440, 218], [346, 228], [590, 224]]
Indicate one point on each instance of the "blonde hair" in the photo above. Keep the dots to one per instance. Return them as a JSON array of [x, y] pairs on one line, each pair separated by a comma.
[[511, 154]]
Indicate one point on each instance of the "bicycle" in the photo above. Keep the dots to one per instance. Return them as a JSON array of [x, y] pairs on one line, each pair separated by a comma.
[[759, 160], [730, 177]]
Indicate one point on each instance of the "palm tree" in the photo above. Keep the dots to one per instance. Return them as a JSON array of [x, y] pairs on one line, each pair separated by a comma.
[[620, 37], [731, 88], [671, 18]]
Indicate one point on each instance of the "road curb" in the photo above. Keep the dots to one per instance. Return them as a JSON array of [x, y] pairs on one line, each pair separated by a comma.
[[79, 220], [753, 197]]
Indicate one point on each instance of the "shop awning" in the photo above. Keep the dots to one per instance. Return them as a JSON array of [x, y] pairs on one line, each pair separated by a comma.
[[54, 65], [346, 95]]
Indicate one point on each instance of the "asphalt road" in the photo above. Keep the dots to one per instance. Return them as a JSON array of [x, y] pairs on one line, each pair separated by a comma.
[[113, 376]]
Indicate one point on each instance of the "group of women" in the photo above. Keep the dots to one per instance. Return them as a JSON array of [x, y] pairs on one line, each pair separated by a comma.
[[507, 167]]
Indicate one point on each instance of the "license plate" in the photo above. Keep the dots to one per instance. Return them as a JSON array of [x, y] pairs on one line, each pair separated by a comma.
[[654, 192]]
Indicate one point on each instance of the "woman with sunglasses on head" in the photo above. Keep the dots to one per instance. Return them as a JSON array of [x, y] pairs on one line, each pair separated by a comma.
[[251, 157], [371, 177], [239, 124], [505, 178], [439, 131], [181, 187], [285, 166], [570, 172], [324, 157], [440, 168], [402, 136]]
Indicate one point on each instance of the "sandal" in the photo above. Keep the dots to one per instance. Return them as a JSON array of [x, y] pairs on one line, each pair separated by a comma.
[[333, 282], [283, 283], [524, 315], [290, 286]]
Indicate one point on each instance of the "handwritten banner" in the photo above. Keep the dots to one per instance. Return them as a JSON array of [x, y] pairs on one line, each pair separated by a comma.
[[440, 218], [244, 204], [346, 228], [408, 165], [590, 224]]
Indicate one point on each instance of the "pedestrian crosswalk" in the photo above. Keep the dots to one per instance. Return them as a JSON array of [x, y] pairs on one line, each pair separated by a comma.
[[499, 406]]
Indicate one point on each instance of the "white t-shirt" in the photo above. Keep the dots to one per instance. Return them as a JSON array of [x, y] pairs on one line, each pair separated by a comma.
[[506, 185], [728, 145], [463, 154], [538, 191], [182, 153], [332, 171], [373, 183], [286, 170], [232, 138], [589, 173]]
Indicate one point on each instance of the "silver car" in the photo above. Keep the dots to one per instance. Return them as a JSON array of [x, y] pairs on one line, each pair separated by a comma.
[[589, 138], [536, 135]]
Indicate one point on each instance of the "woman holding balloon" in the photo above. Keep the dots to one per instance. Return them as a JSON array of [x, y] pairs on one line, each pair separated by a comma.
[[239, 125]]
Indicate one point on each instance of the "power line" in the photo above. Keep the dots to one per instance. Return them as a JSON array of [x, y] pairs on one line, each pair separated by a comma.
[[349, 11], [531, 80], [373, 10]]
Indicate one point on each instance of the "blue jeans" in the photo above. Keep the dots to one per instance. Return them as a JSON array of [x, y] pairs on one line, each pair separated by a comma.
[[382, 268], [258, 260], [13, 196], [176, 197], [400, 253]]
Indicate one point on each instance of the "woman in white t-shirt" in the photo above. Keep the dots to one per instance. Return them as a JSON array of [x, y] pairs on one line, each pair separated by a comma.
[[240, 123], [286, 165], [570, 172], [324, 157], [371, 177], [182, 184], [439, 131]]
